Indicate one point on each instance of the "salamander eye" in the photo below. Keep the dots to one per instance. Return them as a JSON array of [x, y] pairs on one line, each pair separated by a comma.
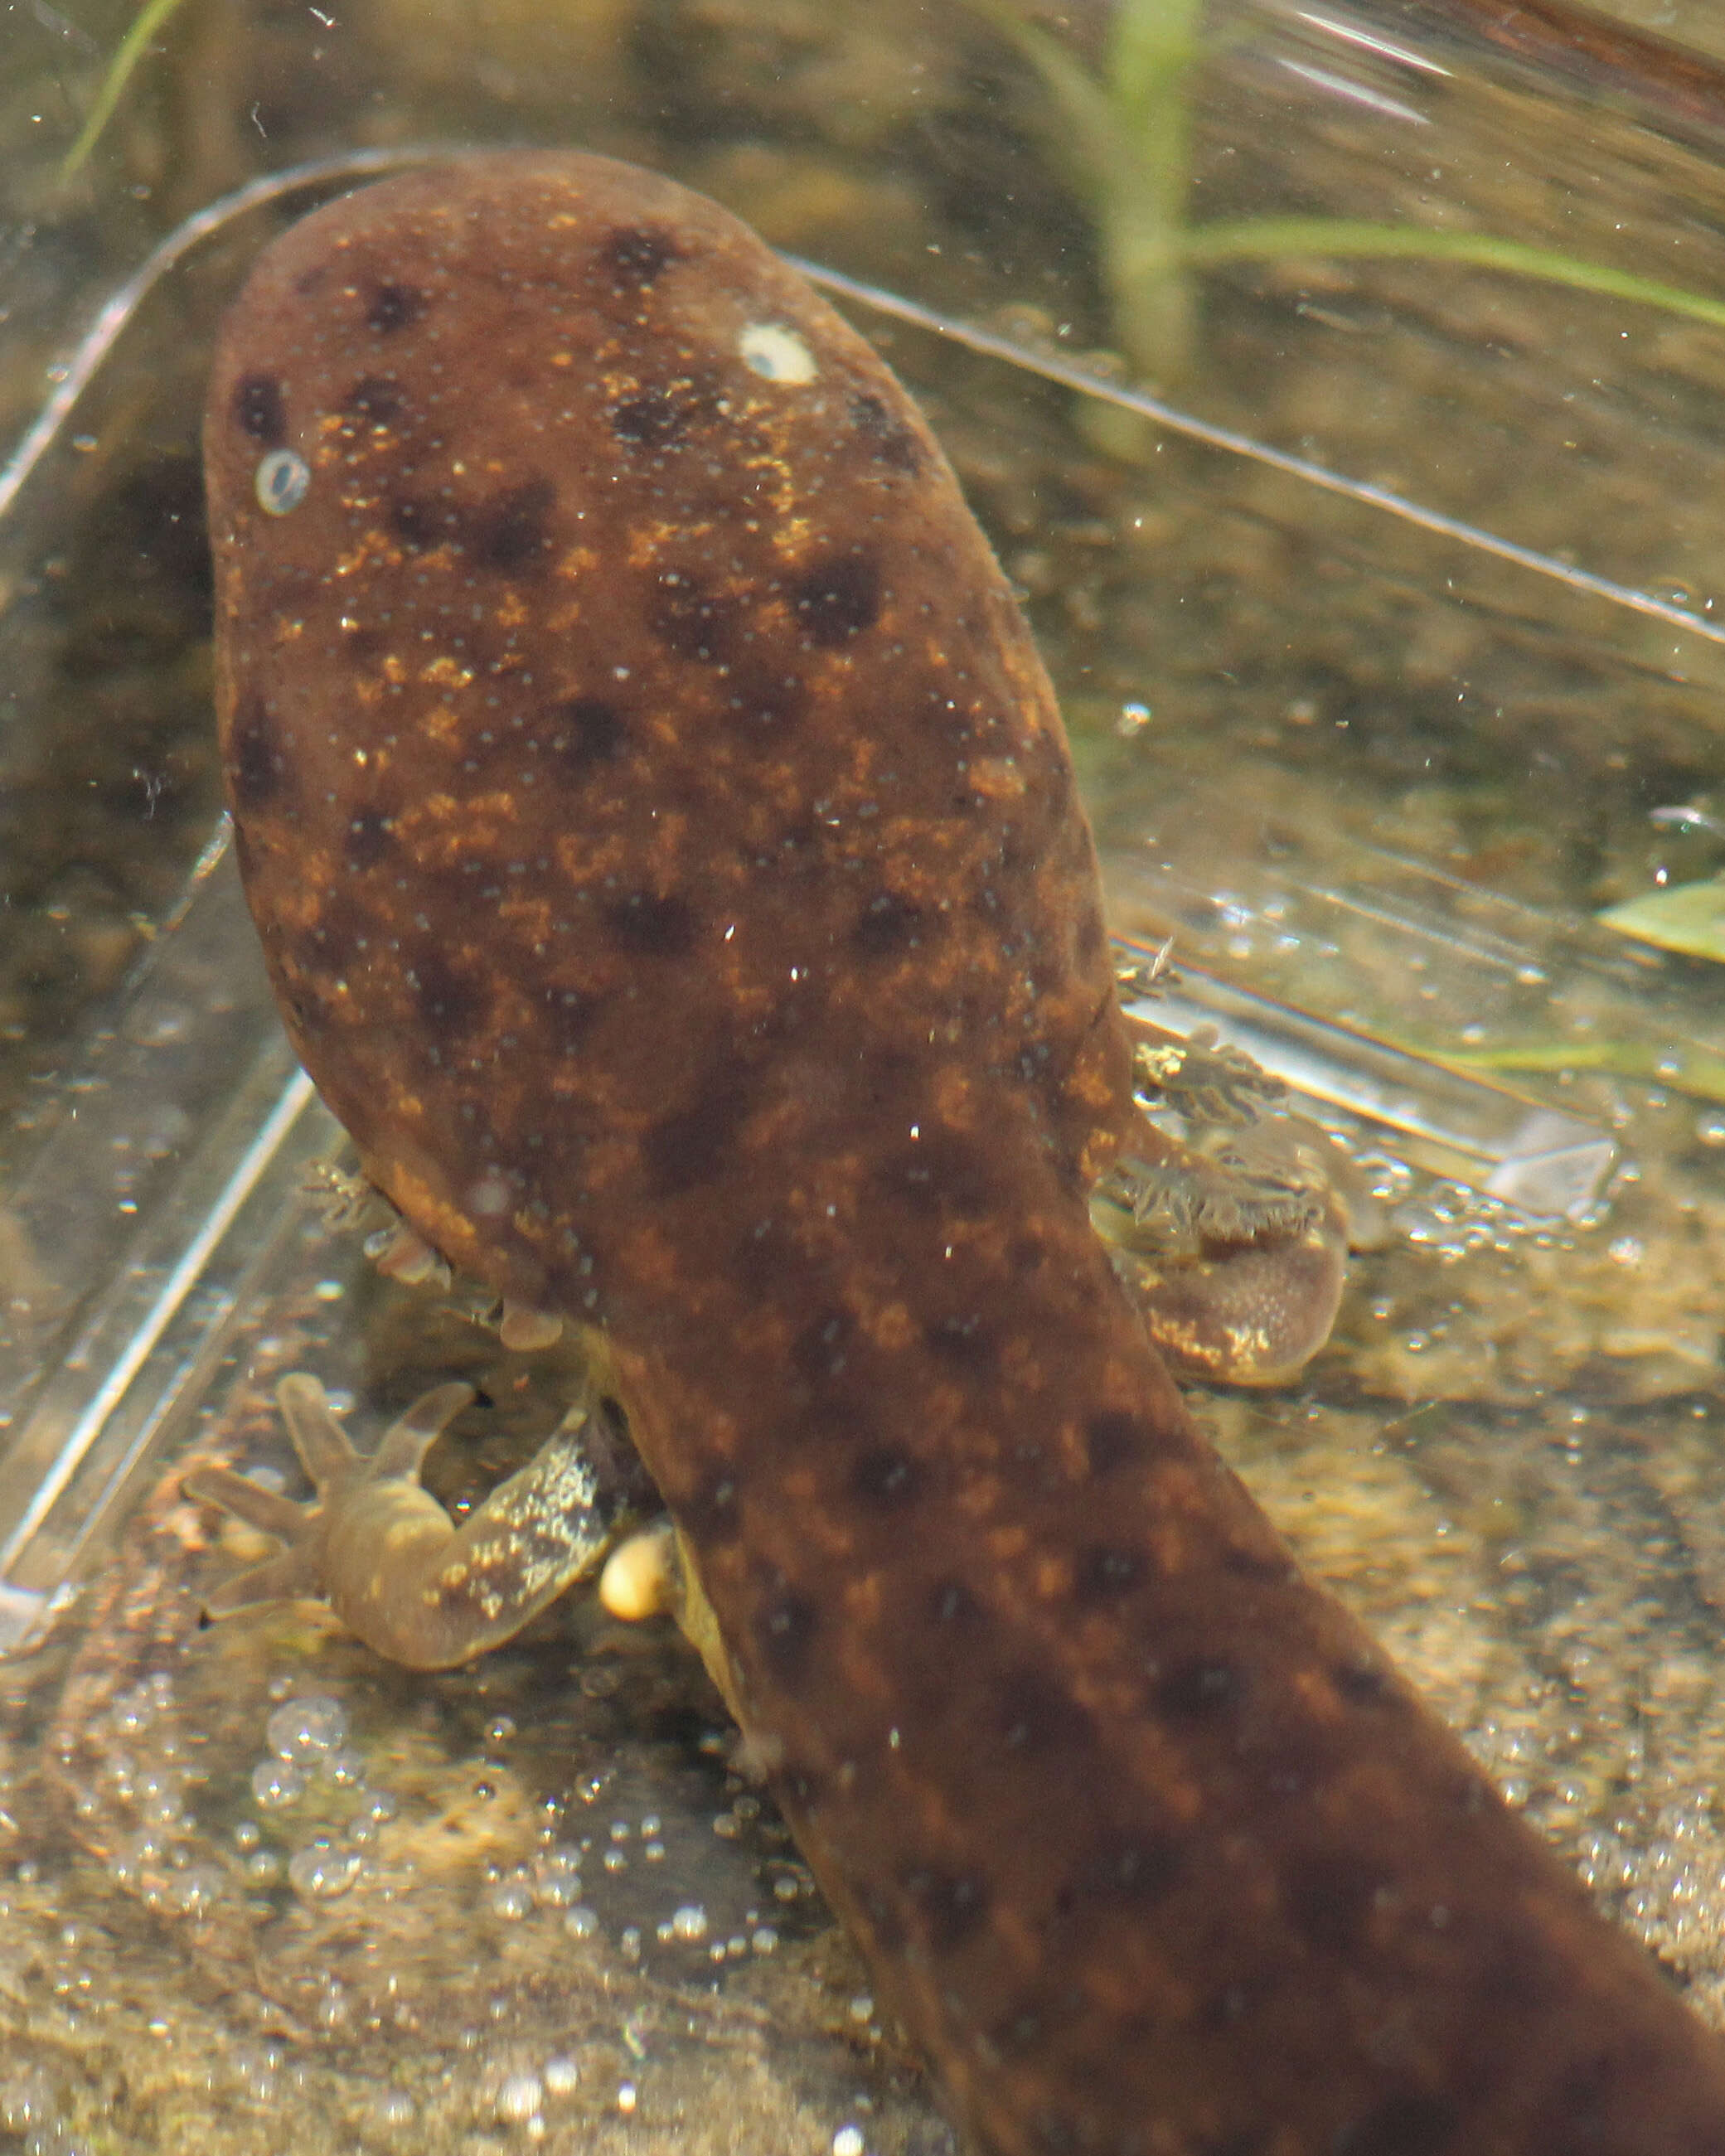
[[281, 481]]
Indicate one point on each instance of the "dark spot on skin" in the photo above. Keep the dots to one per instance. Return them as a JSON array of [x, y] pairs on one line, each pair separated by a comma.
[[887, 925], [659, 417], [762, 704], [1013, 2038], [647, 926], [1025, 1254], [450, 1002], [837, 600], [690, 621], [1588, 2088], [1101, 1574], [343, 931], [1403, 2126], [1032, 1715], [652, 419], [951, 1602], [510, 531], [254, 763], [1364, 1684], [894, 445], [1199, 1688], [261, 410], [820, 1353], [1270, 1567], [374, 398], [569, 1018], [1131, 1871], [1234, 2003], [633, 254], [942, 1172], [392, 307], [1248, 2141], [1049, 785], [692, 1146], [1091, 933], [1329, 1899], [785, 1631], [307, 1006], [418, 525], [1295, 1762], [585, 732], [711, 1515], [967, 1342], [368, 837], [1116, 1438], [884, 1477], [949, 1906]]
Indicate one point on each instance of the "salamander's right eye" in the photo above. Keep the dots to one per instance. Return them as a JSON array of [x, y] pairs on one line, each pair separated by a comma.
[[281, 482]]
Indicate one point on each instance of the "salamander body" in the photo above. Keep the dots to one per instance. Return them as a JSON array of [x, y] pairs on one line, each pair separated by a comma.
[[664, 842]]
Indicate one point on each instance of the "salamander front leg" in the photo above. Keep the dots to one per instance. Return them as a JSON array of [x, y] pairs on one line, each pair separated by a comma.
[[1236, 1251], [387, 1558]]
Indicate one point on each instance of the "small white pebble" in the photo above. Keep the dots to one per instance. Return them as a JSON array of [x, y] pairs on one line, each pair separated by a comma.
[[626, 2097], [848, 2141], [561, 2074]]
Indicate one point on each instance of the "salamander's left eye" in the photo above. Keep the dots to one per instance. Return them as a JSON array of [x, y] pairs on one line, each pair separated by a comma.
[[281, 481]]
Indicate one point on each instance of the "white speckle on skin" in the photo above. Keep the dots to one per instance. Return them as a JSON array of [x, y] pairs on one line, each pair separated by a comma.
[[775, 353]]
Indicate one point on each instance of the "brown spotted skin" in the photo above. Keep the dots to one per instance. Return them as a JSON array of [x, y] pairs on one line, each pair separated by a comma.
[[663, 837]]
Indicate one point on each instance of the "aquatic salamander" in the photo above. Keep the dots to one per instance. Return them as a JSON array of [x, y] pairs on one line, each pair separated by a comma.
[[663, 838]]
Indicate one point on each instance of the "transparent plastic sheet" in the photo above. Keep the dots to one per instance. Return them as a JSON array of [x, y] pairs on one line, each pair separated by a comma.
[[132, 1233], [155, 1230]]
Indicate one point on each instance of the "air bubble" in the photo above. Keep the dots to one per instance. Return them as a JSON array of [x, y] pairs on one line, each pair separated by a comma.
[[307, 1729], [321, 1870], [510, 1898], [556, 1878], [521, 2097], [274, 1784]]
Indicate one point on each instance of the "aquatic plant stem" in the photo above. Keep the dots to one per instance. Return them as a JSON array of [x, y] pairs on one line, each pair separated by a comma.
[[1282, 239], [149, 19]]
